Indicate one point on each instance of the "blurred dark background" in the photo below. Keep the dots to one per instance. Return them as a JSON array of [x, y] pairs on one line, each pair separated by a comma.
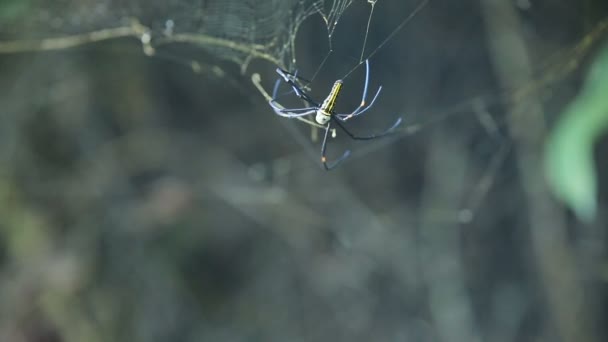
[[146, 200]]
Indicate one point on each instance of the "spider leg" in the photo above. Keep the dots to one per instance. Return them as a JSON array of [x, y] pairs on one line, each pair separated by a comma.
[[282, 109], [294, 75], [368, 137], [299, 92], [366, 82], [291, 115], [326, 165], [291, 112], [277, 84], [275, 89], [362, 107], [293, 86]]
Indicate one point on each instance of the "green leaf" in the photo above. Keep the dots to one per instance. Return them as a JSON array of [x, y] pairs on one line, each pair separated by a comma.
[[569, 151]]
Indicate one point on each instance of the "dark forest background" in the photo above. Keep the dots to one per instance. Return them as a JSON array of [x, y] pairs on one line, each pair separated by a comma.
[[143, 201]]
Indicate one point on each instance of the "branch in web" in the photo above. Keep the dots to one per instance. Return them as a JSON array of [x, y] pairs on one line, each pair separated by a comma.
[[136, 30], [59, 43]]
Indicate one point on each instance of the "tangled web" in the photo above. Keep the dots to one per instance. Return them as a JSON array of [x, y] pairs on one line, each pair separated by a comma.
[[233, 30]]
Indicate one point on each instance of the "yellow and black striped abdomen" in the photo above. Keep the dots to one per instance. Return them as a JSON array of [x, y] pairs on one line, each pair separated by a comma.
[[330, 102], [327, 108]]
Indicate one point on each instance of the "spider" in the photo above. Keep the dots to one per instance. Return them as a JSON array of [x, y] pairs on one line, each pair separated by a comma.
[[324, 112]]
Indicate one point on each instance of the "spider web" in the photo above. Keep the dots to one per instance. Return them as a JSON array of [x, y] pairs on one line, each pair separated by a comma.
[[234, 30]]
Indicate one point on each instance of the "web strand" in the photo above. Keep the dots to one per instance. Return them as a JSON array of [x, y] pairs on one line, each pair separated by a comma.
[[369, 21], [388, 38]]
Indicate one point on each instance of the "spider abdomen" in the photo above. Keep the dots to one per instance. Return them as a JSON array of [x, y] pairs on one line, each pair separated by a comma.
[[327, 108]]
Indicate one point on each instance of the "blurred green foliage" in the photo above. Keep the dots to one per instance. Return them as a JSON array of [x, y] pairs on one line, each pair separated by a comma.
[[569, 155], [13, 8]]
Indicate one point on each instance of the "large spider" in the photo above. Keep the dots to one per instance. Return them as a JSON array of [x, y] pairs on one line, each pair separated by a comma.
[[324, 113]]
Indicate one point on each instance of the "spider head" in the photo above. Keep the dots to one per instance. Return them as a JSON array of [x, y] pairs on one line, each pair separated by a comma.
[[322, 117]]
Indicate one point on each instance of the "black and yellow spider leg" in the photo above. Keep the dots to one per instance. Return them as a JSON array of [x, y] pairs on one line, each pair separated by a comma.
[[303, 95], [368, 137], [326, 165], [295, 89], [299, 92]]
